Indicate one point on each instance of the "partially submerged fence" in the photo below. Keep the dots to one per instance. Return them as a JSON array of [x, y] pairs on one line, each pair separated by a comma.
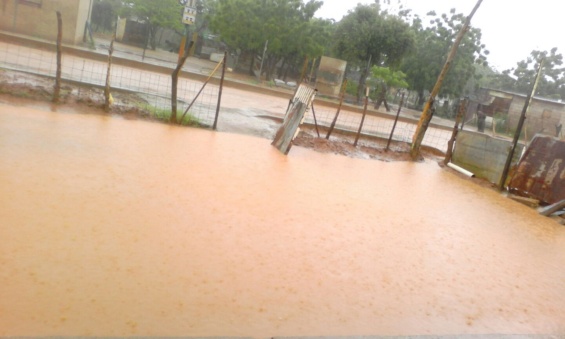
[[380, 125], [153, 88]]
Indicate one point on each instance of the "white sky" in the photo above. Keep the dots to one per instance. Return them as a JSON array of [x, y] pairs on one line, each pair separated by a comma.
[[511, 29]]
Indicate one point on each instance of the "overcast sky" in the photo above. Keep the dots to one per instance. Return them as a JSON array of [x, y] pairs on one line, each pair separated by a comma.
[[511, 29]]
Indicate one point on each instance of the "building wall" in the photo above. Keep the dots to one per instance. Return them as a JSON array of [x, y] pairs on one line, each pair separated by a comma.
[[541, 119], [37, 18]]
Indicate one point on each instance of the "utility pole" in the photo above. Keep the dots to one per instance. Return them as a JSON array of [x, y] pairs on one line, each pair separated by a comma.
[[520, 127], [427, 113]]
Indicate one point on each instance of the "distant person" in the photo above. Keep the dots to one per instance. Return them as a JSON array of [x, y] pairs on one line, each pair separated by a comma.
[[381, 98]]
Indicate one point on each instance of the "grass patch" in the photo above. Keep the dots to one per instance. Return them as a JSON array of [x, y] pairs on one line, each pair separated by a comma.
[[165, 115]]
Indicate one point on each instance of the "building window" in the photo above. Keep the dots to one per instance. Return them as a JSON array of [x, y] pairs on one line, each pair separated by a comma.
[[33, 3]]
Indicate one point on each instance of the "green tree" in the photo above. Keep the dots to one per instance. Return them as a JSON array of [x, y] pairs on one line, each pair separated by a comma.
[[288, 26], [382, 80], [157, 14], [104, 14], [552, 80], [433, 43], [520, 78], [369, 36]]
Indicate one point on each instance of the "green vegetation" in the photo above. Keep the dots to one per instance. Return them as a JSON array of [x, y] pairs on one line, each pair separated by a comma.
[[423, 66], [162, 13], [165, 115], [288, 26], [520, 79], [501, 123], [369, 36], [382, 34]]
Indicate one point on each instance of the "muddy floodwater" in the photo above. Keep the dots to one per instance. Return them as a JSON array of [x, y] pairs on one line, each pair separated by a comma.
[[131, 228]]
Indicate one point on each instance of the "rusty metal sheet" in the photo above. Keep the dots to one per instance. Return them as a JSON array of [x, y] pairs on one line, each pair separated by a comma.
[[541, 172]]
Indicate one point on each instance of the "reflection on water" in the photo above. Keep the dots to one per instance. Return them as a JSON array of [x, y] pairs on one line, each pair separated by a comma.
[[119, 228]]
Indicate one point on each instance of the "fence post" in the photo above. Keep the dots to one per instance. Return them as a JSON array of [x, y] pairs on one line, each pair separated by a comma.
[[174, 85], [107, 95], [332, 126], [460, 114], [57, 90], [363, 118], [215, 126], [201, 89], [519, 128], [395, 121]]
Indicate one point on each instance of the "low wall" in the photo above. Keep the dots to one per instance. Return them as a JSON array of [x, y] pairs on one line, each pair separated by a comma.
[[483, 155]]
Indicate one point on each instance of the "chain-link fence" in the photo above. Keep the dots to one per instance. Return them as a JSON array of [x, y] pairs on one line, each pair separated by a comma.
[[380, 125], [152, 88]]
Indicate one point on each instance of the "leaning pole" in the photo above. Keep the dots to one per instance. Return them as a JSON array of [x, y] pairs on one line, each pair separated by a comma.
[[427, 113]]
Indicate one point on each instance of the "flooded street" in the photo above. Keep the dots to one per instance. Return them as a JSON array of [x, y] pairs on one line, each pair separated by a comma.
[[112, 227]]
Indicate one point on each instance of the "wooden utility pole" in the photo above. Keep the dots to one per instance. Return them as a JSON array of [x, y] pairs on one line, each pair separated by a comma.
[[519, 128], [57, 90], [427, 113]]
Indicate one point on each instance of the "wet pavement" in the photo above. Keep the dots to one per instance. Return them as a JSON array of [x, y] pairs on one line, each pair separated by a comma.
[[131, 228]]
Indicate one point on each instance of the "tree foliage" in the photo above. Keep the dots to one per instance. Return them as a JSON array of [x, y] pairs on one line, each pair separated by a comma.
[[433, 43], [157, 14], [520, 79], [288, 26], [391, 78], [368, 36], [551, 83], [104, 14]]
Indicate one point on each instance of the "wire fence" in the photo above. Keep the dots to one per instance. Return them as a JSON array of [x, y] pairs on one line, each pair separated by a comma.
[[380, 126], [154, 92], [152, 88]]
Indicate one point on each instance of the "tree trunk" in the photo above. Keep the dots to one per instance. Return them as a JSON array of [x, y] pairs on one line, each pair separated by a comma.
[[252, 64], [361, 85], [281, 69], [421, 99], [153, 37]]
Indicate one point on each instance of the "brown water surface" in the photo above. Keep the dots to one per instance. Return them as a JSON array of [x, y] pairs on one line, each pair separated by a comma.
[[111, 227]]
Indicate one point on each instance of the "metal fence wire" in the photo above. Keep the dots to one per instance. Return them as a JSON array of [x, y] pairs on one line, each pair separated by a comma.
[[152, 88], [380, 126], [154, 92]]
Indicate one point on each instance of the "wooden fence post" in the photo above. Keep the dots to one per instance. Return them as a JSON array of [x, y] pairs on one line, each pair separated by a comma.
[[175, 81], [519, 128], [107, 95], [460, 114], [57, 90]]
